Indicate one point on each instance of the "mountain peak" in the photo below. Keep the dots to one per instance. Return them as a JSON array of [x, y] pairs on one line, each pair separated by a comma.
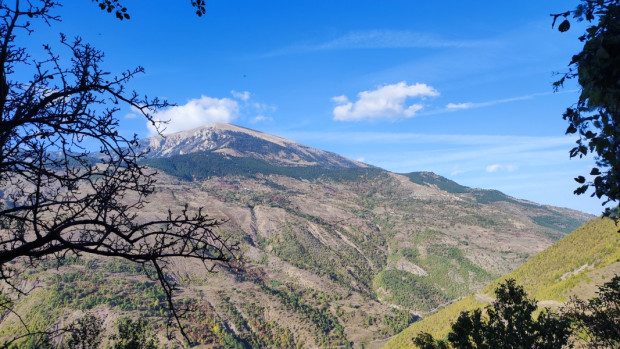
[[239, 141]]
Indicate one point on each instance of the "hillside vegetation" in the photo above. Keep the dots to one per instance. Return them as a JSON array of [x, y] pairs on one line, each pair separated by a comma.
[[575, 265], [334, 252]]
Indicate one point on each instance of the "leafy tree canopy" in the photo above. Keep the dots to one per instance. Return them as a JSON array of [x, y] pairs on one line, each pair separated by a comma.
[[595, 118], [599, 317], [121, 12], [506, 323], [133, 335]]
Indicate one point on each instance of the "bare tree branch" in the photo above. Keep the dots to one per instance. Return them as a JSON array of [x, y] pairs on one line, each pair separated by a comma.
[[69, 182]]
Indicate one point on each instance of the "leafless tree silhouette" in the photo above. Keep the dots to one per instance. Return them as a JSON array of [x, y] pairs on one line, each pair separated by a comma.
[[69, 182]]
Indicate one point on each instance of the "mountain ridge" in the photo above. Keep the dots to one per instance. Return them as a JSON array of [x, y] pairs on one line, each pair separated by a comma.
[[336, 253], [239, 141], [219, 138]]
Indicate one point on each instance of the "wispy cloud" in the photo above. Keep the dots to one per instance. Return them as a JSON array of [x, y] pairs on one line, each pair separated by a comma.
[[470, 105], [244, 96], [385, 102], [446, 153], [380, 39], [260, 118], [525, 164], [390, 138], [455, 106]]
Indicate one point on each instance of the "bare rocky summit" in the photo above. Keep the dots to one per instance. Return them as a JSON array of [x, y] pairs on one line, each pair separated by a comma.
[[334, 251], [243, 142]]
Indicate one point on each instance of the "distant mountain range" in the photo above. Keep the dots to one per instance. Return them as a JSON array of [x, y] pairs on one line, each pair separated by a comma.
[[336, 251]]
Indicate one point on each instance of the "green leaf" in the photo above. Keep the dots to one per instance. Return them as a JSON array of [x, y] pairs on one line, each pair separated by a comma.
[[581, 190]]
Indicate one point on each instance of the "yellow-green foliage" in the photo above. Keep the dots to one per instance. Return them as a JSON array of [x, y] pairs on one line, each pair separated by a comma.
[[549, 275], [434, 323], [36, 313], [552, 273]]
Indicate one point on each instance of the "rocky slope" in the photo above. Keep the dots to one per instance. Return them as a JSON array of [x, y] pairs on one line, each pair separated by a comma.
[[335, 252], [575, 266], [243, 142]]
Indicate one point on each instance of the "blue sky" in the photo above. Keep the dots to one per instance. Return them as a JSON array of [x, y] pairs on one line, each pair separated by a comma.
[[459, 88]]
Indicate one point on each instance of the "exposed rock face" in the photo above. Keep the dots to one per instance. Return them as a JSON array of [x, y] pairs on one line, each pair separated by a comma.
[[335, 251], [239, 141]]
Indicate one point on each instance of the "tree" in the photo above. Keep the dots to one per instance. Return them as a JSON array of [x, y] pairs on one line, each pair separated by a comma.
[[120, 11], [507, 323], [133, 335], [599, 317], [596, 115], [426, 341], [85, 333], [57, 196]]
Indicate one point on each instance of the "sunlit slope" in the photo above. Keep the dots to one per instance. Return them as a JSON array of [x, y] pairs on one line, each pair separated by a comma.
[[335, 252], [575, 265]]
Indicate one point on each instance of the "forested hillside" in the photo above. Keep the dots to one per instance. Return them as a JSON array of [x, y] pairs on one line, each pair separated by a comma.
[[574, 266]]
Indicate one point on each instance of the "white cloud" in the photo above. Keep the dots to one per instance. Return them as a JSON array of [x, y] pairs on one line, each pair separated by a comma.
[[385, 102], [260, 118], [456, 172], [493, 168], [498, 167], [340, 99], [251, 107], [459, 105], [263, 108], [244, 96], [195, 113], [361, 159]]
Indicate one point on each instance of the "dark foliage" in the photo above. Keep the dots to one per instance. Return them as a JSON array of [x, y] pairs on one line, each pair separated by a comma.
[[429, 178], [595, 118], [85, 333], [599, 317], [121, 12], [201, 165], [54, 202], [133, 335], [426, 341], [506, 323]]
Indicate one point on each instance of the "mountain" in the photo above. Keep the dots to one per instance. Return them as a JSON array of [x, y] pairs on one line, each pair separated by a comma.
[[574, 266], [228, 139], [336, 251]]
